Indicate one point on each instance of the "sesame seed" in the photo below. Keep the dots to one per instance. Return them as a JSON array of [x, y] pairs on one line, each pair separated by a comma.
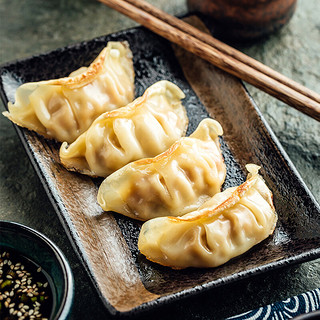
[[21, 287]]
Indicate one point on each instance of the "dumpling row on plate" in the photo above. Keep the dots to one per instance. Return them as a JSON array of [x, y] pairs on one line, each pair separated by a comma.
[[191, 223], [227, 225], [144, 128], [64, 108], [175, 182]]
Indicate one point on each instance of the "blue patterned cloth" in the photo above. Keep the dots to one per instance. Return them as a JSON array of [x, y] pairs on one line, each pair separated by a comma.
[[287, 309]]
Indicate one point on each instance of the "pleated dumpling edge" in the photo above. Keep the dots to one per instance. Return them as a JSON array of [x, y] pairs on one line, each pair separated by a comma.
[[175, 182], [62, 109], [144, 128], [224, 227]]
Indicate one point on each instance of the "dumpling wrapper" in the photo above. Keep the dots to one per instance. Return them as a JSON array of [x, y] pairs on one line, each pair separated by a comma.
[[144, 128], [64, 108], [224, 227], [175, 182]]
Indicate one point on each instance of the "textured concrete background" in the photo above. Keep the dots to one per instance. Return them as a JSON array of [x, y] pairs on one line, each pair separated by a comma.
[[36, 26]]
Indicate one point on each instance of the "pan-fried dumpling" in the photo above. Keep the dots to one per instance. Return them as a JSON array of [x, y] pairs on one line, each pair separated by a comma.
[[224, 227], [175, 182], [144, 128], [64, 108]]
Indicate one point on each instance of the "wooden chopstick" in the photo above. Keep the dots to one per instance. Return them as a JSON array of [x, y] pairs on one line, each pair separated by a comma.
[[185, 27], [220, 55]]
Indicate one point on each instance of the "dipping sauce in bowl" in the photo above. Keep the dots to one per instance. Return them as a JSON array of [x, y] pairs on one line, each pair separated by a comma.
[[36, 281], [26, 291]]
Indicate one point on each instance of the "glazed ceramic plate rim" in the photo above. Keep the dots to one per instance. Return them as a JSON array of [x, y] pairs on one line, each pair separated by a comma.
[[71, 232]]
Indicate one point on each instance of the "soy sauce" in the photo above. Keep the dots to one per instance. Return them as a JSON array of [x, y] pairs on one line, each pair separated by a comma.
[[26, 291]]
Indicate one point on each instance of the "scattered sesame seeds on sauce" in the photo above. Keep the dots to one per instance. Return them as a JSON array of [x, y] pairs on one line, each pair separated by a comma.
[[24, 289]]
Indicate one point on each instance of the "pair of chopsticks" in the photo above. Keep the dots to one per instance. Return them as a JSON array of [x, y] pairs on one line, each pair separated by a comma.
[[220, 55]]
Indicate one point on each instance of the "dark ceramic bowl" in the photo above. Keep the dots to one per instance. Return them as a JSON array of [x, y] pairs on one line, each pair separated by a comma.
[[41, 251]]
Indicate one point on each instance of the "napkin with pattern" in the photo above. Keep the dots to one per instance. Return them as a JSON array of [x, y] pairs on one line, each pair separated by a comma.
[[287, 309]]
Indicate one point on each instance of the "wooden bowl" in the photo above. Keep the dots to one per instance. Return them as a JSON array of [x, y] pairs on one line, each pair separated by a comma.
[[245, 19]]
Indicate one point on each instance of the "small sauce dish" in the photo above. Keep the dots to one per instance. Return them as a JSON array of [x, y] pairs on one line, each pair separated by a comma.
[[36, 280]]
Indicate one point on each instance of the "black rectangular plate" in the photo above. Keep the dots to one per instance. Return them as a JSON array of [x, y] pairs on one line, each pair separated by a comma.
[[107, 243]]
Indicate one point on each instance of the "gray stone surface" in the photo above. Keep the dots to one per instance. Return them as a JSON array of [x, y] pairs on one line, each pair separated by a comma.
[[35, 26], [294, 52]]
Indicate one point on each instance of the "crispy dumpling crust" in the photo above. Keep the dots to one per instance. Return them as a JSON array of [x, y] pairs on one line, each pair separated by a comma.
[[144, 128], [64, 108], [175, 182], [224, 227]]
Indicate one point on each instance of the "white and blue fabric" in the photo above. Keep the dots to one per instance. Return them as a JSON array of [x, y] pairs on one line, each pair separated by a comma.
[[287, 309]]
